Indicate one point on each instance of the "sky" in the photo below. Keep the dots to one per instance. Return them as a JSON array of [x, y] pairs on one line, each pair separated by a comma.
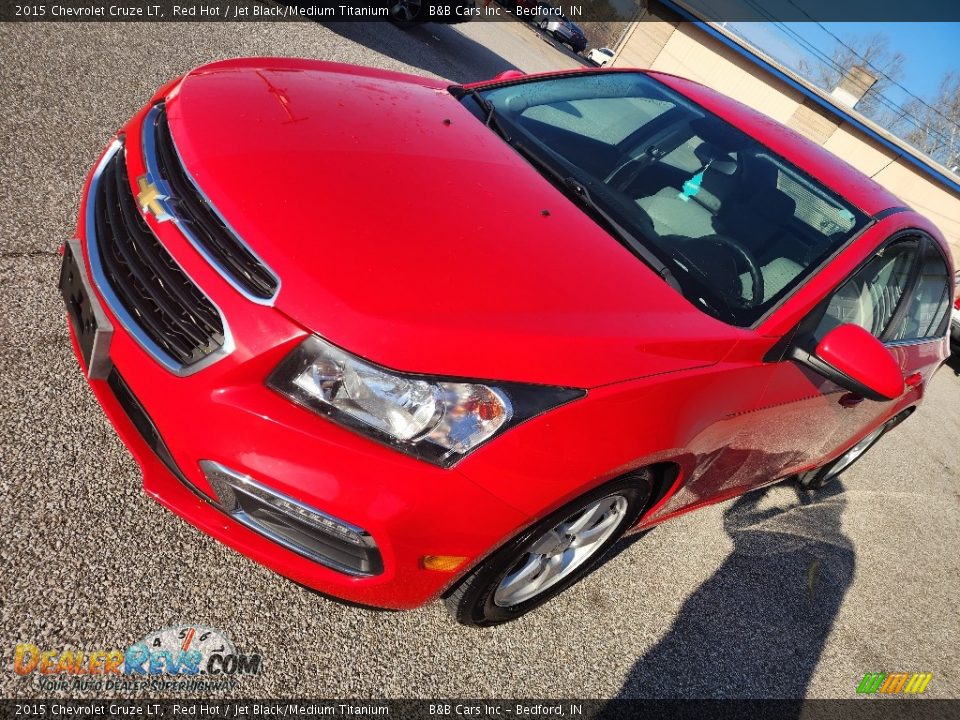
[[929, 48]]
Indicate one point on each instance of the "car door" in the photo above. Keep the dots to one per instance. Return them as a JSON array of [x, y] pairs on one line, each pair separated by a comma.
[[874, 297], [801, 417], [900, 295], [917, 335]]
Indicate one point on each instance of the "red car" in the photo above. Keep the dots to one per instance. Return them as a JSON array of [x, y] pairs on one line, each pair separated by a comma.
[[399, 340], [955, 321]]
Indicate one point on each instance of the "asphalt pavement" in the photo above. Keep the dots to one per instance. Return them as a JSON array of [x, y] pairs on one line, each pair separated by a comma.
[[775, 594]]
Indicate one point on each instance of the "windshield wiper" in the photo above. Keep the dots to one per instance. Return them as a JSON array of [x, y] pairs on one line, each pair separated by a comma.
[[576, 190], [490, 118], [661, 268]]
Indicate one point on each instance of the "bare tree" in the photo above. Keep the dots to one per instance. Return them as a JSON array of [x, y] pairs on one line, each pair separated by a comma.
[[873, 54], [933, 127]]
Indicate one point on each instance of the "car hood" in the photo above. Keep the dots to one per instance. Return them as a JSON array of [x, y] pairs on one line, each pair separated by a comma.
[[407, 232]]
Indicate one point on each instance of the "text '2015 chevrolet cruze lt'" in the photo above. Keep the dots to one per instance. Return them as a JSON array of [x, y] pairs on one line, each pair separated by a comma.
[[399, 340]]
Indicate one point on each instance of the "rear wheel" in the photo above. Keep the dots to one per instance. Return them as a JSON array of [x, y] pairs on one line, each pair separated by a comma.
[[816, 479], [549, 557]]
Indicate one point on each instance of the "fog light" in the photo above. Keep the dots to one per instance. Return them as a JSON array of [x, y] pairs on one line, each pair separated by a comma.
[[293, 524], [443, 563]]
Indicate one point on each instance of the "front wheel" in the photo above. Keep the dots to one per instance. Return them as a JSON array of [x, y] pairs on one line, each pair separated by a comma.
[[549, 557]]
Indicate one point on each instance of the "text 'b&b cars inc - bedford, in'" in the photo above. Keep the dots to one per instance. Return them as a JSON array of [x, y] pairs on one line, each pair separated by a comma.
[[400, 340]]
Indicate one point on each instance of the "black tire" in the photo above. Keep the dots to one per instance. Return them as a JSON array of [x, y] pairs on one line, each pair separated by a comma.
[[817, 478], [472, 601], [406, 13]]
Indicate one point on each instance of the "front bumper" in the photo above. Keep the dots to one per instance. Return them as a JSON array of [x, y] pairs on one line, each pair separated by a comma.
[[225, 414]]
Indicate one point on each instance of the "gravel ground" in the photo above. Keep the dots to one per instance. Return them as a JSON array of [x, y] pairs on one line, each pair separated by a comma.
[[716, 603]]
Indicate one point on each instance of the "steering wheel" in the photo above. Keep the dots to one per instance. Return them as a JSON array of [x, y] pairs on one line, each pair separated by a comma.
[[744, 254]]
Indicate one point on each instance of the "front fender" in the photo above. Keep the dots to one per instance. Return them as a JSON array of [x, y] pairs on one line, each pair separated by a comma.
[[682, 418]]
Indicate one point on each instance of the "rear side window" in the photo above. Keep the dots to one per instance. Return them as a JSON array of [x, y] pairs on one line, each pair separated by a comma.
[[812, 209], [929, 301]]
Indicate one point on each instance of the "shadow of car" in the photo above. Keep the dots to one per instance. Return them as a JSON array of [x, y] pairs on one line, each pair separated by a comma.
[[438, 49]]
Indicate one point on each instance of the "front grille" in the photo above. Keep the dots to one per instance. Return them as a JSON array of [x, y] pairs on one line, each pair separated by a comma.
[[163, 302], [204, 224]]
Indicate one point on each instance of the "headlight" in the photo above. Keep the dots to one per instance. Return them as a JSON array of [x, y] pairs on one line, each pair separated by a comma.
[[434, 419]]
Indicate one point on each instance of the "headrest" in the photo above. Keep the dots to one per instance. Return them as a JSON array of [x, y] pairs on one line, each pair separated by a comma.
[[717, 132], [773, 204]]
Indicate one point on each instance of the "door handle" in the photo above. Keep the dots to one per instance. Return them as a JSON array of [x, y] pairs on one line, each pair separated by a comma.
[[912, 381], [850, 400]]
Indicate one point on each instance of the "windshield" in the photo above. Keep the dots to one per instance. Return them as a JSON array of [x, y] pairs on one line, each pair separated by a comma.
[[737, 226]]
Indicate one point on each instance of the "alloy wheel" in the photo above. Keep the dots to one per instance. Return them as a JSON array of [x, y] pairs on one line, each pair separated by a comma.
[[561, 550], [851, 455]]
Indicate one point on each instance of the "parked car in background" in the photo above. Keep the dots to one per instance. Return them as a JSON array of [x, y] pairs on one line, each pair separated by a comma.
[[600, 56], [566, 31], [616, 296], [407, 13]]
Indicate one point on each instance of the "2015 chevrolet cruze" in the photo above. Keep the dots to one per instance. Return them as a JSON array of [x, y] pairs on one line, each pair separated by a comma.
[[399, 340]]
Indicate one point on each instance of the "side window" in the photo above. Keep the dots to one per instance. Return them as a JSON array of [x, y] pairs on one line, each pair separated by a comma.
[[929, 301], [871, 296]]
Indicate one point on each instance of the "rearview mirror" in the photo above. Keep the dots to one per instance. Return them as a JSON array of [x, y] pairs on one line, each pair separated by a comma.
[[855, 360]]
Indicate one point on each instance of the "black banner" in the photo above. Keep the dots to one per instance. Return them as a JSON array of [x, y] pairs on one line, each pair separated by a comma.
[[467, 10], [859, 709]]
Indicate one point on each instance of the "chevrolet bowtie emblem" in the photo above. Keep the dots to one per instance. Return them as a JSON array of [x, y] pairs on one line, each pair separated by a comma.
[[150, 199]]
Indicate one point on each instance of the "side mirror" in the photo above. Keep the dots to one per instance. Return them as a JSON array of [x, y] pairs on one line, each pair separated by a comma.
[[509, 75], [855, 360]]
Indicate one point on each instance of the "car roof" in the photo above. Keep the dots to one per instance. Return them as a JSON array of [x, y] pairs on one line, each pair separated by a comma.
[[814, 159]]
